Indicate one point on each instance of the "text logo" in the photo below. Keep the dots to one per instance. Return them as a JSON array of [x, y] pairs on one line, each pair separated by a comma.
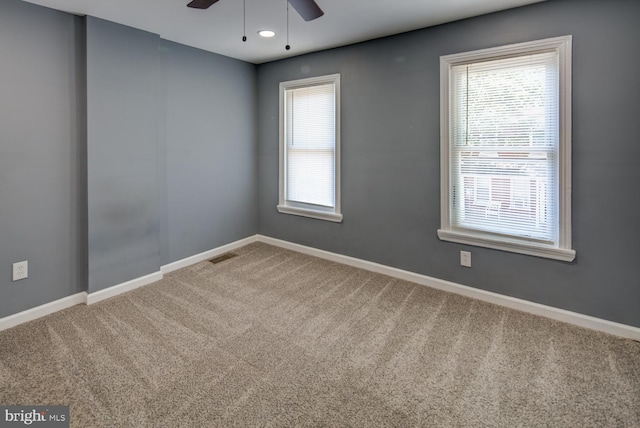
[[34, 416]]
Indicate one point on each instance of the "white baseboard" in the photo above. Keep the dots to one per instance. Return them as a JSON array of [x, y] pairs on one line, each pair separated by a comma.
[[91, 298], [156, 276], [581, 320], [42, 310], [113, 291], [207, 254]]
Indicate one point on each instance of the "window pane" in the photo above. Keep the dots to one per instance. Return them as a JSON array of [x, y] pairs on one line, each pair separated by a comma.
[[310, 177], [310, 145], [311, 117], [504, 142]]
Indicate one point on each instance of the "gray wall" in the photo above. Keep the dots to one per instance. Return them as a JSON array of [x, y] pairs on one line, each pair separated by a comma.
[[42, 175], [390, 156], [209, 137], [88, 107], [171, 152], [123, 117]]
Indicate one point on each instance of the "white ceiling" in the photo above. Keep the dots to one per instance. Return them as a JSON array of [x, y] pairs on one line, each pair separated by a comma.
[[219, 29]]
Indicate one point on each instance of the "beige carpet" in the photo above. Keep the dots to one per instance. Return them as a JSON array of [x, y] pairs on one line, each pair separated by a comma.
[[277, 338]]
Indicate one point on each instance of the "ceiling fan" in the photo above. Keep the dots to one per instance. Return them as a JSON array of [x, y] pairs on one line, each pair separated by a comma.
[[308, 9]]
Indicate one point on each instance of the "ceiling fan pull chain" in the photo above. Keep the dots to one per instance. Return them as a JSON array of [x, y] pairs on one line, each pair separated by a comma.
[[244, 21], [287, 47]]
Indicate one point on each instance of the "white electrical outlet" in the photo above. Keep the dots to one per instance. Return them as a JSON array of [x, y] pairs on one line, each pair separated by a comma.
[[20, 270], [465, 258]]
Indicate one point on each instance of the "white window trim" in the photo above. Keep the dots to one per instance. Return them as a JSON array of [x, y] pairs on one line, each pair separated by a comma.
[[563, 250], [306, 210]]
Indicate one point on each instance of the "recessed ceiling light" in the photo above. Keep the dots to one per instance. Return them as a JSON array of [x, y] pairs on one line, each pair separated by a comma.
[[266, 33]]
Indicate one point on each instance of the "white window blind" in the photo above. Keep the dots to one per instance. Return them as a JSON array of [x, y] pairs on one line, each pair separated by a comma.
[[310, 145], [309, 183], [506, 148], [504, 144]]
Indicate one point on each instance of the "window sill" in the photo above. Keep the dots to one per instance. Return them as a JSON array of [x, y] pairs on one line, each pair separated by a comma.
[[320, 215], [511, 245]]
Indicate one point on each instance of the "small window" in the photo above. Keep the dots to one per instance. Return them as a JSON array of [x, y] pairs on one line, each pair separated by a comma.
[[506, 148], [310, 148]]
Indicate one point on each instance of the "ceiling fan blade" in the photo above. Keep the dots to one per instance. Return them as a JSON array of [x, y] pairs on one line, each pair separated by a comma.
[[201, 4], [308, 9]]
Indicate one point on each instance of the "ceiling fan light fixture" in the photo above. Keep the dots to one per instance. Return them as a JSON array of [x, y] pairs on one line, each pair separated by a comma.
[[266, 33]]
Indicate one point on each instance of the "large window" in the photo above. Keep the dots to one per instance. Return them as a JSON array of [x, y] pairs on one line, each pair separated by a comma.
[[310, 148], [506, 148]]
